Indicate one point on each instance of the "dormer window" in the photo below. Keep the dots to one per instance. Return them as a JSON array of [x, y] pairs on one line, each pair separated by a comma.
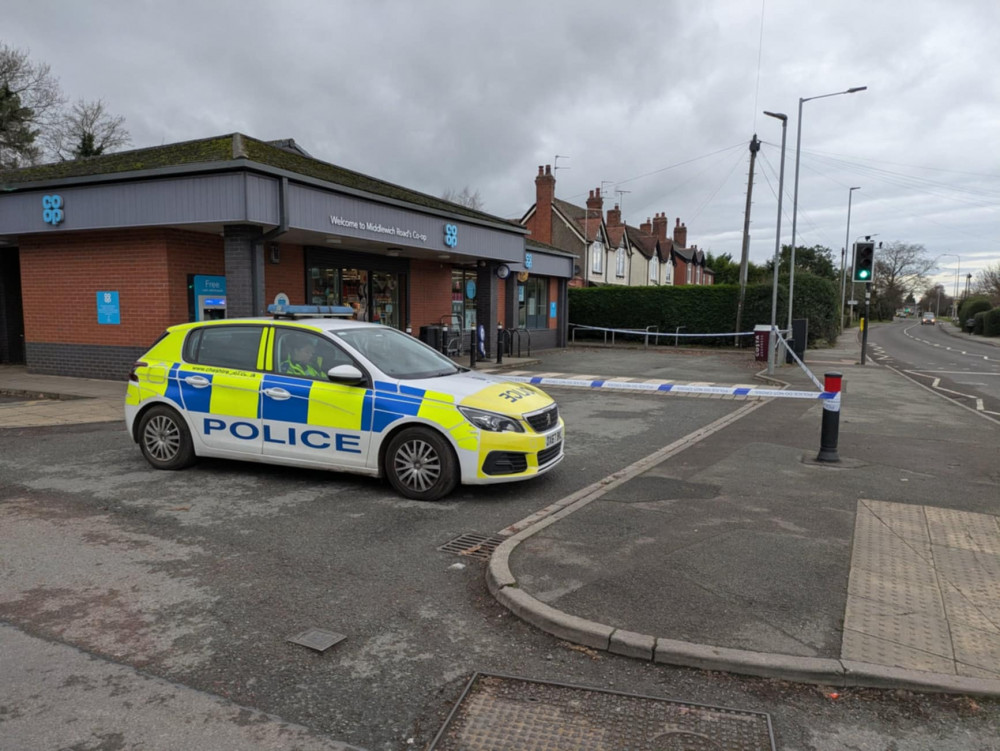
[[653, 269]]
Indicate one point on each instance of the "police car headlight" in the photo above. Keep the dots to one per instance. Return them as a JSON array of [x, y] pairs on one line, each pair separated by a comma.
[[491, 421]]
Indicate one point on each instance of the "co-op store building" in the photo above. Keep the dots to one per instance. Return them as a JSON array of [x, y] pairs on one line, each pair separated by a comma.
[[99, 256]]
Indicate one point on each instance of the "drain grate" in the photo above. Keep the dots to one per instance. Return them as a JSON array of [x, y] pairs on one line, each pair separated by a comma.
[[473, 545], [497, 713]]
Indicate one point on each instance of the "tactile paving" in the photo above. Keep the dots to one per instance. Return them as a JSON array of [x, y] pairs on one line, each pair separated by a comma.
[[964, 530], [497, 713], [924, 589]]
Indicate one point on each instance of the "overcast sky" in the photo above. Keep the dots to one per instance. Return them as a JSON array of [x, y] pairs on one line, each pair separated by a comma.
[[658, 98]]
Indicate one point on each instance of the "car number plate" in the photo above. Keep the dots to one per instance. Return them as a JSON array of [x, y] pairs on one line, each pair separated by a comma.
[[552, 440]]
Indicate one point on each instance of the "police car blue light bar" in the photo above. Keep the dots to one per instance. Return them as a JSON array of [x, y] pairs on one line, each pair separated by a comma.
[[310, 311]]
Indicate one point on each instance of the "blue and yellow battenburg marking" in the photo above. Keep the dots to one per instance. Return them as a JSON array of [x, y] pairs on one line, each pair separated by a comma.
[[234, 393]]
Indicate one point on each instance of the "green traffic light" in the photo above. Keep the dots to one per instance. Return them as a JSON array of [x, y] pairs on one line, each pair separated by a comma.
[[863, 274]]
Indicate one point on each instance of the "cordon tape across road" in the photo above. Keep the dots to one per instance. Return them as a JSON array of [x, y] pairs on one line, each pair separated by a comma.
[[672, 388]]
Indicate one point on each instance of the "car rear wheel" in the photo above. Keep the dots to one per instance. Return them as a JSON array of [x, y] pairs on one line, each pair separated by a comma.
[[420, 464], [164, 439]]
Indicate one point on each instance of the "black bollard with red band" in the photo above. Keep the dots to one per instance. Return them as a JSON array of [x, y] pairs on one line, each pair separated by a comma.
[[830, 432]]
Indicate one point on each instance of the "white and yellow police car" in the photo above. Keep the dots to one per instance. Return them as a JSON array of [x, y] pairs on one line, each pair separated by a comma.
[[336, 394]]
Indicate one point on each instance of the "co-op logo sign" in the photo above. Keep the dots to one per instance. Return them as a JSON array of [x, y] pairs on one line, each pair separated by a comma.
[[52, 212]]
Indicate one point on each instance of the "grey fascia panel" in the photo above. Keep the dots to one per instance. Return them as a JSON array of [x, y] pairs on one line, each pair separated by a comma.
[[204, 199], [547, 264], [334, 213], [237, 166]]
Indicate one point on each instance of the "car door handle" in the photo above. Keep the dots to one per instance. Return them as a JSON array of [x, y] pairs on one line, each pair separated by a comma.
[[199, 382], [276, 393]]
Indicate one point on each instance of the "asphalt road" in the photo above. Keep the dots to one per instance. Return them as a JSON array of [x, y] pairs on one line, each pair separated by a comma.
[[963, 369], [200, 576]]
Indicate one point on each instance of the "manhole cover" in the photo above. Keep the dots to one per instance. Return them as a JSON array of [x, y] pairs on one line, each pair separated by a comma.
[[317, 639], [499, 712], [473, 545]]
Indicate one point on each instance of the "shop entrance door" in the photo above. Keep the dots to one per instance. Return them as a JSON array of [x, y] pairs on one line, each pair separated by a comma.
[[11, 309]]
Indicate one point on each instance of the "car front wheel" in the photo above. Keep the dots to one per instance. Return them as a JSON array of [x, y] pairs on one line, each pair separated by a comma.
[[420, 464], [164, 439]]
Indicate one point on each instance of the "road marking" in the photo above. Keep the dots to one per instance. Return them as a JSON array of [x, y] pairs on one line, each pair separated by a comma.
[[979, 405], [953, 401]]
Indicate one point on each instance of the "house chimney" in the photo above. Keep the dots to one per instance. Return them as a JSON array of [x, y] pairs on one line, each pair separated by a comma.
[[595, 202], [540, 224], [646, 228], [680, 234], [615, 217], [660, 225]]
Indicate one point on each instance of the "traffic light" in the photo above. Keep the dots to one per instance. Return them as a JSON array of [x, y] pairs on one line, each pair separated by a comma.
[[864, 261]]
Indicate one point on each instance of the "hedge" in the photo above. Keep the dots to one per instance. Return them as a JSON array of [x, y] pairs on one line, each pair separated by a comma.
[[970, 307], [991, 322], [706, 309]]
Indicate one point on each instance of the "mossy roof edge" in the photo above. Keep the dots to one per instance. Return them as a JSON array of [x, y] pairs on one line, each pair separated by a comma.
[[220, 150]]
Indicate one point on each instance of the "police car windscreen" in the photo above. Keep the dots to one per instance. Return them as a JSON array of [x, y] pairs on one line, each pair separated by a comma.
[[396, 354]]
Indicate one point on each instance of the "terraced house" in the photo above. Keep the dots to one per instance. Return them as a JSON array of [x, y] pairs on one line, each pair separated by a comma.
[[607, 250]]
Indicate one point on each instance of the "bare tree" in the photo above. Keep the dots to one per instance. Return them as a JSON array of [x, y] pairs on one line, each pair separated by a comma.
[[988, 283], [900, 269], [30, 101], [464, 197], [88, 129], [936, 298]]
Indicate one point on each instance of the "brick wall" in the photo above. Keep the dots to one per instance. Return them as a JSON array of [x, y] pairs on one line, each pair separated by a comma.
[[189, 253], [61, 275], [430, 293], [288, 275], [82, 360]]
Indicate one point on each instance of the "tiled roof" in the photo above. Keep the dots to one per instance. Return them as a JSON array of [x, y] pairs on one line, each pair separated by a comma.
[[223, 150], [576, 214], [645, 243]]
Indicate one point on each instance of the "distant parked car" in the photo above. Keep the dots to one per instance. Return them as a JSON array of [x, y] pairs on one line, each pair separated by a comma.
[[927, 317]]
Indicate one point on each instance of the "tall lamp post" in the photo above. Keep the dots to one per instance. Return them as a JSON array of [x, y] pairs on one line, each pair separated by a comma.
[[843, 258], [795, 195], [772, 337], [954, 302]]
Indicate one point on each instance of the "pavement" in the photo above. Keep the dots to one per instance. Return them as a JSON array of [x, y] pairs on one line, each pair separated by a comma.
[[736, 550], [731, 549]]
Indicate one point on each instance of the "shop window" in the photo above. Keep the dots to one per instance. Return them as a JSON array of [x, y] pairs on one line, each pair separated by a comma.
[[533, 303], [385, 299], [463, 299], [325, 286], [376, 296]]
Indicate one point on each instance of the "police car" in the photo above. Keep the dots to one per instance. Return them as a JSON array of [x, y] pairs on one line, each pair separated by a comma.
[[344, 395]]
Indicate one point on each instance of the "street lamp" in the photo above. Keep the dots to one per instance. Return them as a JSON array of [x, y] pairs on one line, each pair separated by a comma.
[[795, 195], [772, 337], [954, 302], [843, 258]]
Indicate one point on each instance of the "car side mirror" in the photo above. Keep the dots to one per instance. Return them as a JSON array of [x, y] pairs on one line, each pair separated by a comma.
[[345, 374]]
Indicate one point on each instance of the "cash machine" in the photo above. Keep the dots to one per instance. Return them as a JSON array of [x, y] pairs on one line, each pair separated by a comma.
[[206, 297]]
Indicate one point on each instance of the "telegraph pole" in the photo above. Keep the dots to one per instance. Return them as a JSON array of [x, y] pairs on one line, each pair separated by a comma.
[[754, 148]]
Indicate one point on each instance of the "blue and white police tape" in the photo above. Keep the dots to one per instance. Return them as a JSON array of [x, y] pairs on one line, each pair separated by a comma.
[[654, 334], [674, 388]]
